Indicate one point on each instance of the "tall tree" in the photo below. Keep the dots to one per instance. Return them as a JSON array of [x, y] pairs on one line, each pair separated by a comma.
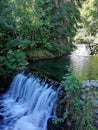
[[89, 14]]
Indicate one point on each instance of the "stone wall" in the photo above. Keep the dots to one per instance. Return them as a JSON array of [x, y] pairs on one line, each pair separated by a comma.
[[91, 87]]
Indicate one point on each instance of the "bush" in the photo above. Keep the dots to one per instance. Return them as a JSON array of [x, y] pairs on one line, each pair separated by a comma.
[[12, 62], [79, 111]]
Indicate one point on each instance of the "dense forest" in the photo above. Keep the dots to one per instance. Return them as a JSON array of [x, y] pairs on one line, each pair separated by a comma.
[[88, 28]]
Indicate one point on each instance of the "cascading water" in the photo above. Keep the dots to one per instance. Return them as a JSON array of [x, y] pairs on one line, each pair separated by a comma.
[[28, 104], [80, 59], [82, 49]]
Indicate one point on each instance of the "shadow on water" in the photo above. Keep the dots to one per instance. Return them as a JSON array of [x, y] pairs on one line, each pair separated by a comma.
[[55, 67], [84, 67]]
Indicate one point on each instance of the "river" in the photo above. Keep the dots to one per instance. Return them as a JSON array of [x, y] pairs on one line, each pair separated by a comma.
[[85, 67]]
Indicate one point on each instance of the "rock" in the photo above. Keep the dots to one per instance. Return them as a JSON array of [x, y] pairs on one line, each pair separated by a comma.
[[94, 83], [96, 111], [90, 83], [96, 123], [95, 117], [81, 102], [87, 89], [83, 84], [83, 96], [96, 97], [61, 94], [95, 93], [95, 103]]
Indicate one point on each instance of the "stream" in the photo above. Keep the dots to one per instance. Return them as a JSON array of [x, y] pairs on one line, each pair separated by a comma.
[[84, 65]]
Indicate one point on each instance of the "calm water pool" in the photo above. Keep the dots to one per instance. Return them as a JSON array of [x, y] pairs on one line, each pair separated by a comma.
[[84, 67]]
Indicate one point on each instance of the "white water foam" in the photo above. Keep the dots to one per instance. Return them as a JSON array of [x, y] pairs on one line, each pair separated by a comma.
[[82, 50], [27, 105]]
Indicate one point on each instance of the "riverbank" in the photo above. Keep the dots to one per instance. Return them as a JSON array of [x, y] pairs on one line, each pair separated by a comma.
[[43, 53]]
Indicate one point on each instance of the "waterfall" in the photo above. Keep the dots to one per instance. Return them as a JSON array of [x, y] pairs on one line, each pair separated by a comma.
[[82, 50], [28, 104]]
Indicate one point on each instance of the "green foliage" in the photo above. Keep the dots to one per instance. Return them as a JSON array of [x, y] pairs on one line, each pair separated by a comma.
[[88, 28], [27, 25], [57, 24], [80, 110], [12, 62], [89, 14], [43, 22], [71, 84], [60, 120]]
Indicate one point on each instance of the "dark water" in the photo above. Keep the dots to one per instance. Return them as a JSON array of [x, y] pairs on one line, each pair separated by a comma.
[[84, 67]]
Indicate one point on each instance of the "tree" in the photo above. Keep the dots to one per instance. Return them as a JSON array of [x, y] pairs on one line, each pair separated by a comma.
[[27, 25], [58, 21], [10, 58], [89, 14]]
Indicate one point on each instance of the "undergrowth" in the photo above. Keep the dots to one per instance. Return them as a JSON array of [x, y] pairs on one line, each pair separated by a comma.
[[80, 110]]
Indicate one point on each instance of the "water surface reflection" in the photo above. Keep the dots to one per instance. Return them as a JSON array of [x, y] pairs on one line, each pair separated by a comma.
[[84, 67], [80, 65]]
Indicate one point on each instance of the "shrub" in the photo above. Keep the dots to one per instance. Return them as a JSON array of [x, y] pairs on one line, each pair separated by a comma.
[[80, 111]]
